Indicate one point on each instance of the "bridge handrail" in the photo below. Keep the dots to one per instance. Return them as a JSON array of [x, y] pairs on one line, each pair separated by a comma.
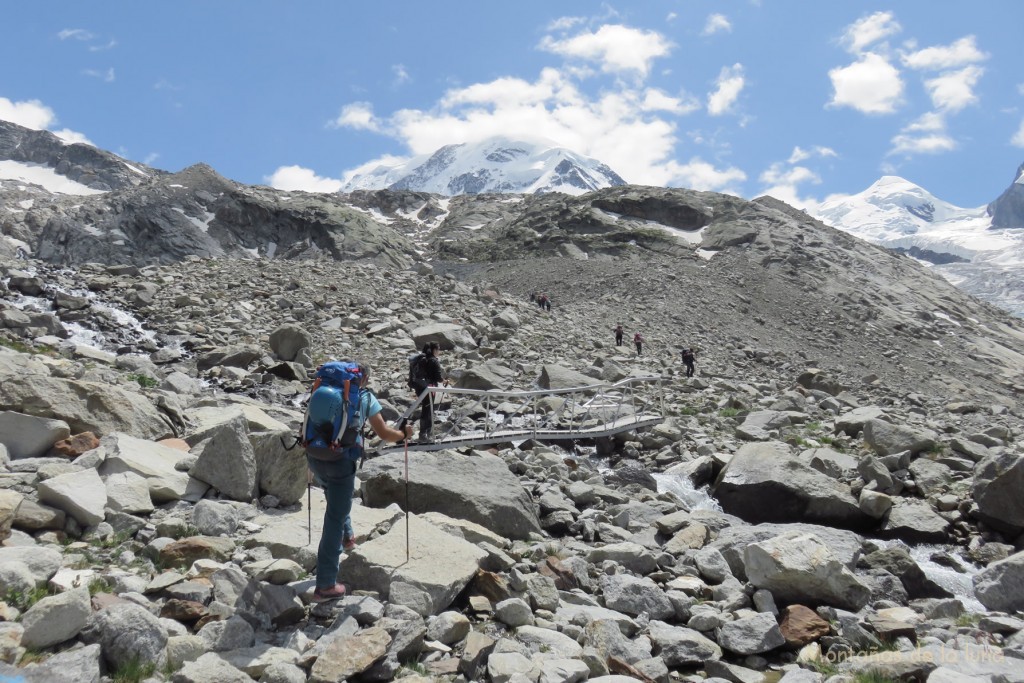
[[489, 393]]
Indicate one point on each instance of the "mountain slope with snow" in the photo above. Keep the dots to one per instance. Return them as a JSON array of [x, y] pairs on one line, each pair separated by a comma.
[[494, 165], [962, 243]]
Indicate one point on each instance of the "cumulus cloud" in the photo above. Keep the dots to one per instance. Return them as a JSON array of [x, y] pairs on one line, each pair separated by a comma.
[[617, 48], [1018, 139], [716, 23], [957, 54], [728, 87], [800, 154], [954, 90], [868, 31], [37, 116], [783, 179], [870, 85], [298, 178], [926, 135], [698, 174], [357, 115], [30, 113]]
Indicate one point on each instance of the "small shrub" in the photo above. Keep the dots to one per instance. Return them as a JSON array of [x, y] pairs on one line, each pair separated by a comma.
[[134, 671], [145, 381], [729, 412], [968, 620], [23, 601], [99, 586]]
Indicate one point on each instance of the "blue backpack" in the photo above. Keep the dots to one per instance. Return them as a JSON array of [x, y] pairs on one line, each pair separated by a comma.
[[330, 429]]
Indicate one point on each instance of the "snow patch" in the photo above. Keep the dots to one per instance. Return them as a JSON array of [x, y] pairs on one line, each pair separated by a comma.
[[26, 203], [706, 254], [46, 177], [203, 225]]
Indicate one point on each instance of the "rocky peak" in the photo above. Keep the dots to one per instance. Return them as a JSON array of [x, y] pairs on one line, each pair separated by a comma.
[[1008, 210]]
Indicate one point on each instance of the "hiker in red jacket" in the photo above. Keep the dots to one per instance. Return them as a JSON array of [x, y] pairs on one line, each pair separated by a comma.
[[639, 341]]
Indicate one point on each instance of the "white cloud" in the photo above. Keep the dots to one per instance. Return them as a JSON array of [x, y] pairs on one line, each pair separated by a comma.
[[870, 85], [657, 100], [298, 178], [358, 115], [959, 53], [30, 113], [401, 74], [76, 33], [151, 158], [926, 135], [1018, 139], [729, 85], [71, 137], [716, 23], [101, 48], [565, 23], [105, 76], [698, 174], [869, 30], [672, 16], [37, 116], [954, 90], [800, 154], [615, 47]]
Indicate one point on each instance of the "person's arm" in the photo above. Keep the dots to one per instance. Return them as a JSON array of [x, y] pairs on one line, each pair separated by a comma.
[[381, 429]]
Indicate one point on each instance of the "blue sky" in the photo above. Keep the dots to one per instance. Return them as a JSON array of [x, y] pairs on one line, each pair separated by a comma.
[[801, 99]]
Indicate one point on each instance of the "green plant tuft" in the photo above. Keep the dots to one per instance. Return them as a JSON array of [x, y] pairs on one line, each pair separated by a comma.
[[144, 381], [134, 671]]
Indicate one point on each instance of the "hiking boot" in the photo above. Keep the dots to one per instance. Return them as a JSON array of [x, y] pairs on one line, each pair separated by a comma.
[[333, 593], [426, 438], [349, 543]]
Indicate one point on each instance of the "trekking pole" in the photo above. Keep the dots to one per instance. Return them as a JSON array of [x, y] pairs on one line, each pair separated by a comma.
[[407, 499], [309, 506]]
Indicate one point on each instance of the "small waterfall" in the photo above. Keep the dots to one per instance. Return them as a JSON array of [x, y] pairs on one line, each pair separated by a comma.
[[681, 487]]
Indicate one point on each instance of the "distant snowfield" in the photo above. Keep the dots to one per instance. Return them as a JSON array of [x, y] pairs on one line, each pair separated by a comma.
[[44, 176]]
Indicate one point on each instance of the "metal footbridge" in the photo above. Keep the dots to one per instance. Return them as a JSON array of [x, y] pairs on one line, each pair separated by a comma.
[[477, 417]]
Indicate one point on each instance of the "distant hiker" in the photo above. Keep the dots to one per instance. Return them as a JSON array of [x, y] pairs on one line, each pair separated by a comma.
[[689, 356], [542, 301], [639, 341], [425, 371], [618, 335], [547, 303], [335, 467], [533, 297]]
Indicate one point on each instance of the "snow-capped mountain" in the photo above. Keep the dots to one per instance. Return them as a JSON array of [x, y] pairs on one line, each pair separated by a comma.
[[497, 164], [962, 243]]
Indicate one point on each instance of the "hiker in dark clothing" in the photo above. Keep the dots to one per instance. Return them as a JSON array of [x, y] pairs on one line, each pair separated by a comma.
[[618, 335], [547, 303], [689, 357], [639, 341], [428, 374]]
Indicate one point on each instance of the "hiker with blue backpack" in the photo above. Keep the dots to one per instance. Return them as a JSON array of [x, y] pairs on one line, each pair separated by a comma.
[[339, 407]]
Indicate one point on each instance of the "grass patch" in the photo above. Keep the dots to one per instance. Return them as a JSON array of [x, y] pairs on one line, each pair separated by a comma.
[[825, 667], [873, 677], [32, 657], [134, 671], [99, 586], [416, 668], [812, 426], [968, 620], [728, 412], [144, 381], [688, 411], [15, 345], [24, 600]]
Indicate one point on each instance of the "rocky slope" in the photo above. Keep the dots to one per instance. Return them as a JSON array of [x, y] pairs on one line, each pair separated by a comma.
[[191, 553]]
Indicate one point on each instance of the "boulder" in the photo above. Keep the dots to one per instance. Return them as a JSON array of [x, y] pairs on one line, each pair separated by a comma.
[[27, 436], [998, 482], [84, 406], [633, 596], [448, 335], [765, 471], [1000, 586], [680, 646], [898, 562], [227, 461], [559, 377], [42, 563], [750, 635], [152, 461], [56, 618], [237, 356], [83, 495], [852, 423], [914, 521], [287, 340], [486, 376], [761, 425], [887, 438], [10, 502], [31, 516], [76, 665], [439, 566], [798, 567], [128, 492], [127, 632], [733, 540], [801, 625], [478, 488], [280, 472]]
